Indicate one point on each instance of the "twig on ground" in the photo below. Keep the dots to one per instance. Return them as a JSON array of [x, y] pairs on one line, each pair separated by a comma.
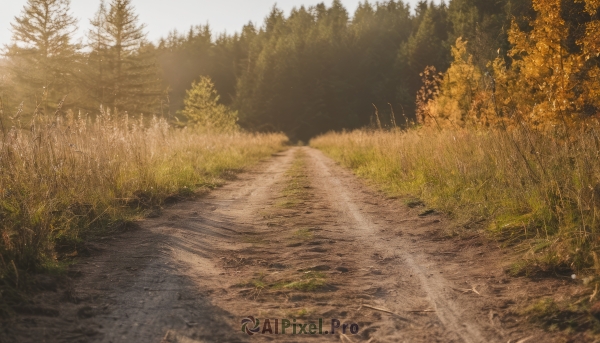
[[384, 310], [524, 339], [167, 338], [593, 296], [415, 311], [463, 290]]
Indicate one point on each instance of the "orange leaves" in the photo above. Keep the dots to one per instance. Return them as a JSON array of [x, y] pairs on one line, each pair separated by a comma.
[[548, 81], [429, 91], [563, 83], [591, 6], [545, 67]]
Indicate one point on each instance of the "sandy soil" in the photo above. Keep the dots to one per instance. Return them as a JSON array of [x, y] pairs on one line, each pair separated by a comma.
[[333, 248]]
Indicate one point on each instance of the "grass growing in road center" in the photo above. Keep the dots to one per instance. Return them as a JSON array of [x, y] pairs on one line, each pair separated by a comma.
[[295, 191], [309, 282]]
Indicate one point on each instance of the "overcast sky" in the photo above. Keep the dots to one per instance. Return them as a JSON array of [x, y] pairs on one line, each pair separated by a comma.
[[162, 16]]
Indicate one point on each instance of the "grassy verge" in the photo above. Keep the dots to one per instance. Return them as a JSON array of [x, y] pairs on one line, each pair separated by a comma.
[[538, 192], [65, 180]]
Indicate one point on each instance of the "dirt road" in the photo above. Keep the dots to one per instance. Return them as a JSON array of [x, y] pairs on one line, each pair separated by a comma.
[[297, 238]]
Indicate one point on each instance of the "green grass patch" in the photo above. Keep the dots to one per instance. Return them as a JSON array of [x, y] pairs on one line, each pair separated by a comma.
[[310, 282], [303, 234], [253, 239], [542, 308], [257, 282], [309, 285], [301, 313]]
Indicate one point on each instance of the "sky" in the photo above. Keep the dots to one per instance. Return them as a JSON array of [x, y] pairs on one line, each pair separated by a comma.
[[162, 16]]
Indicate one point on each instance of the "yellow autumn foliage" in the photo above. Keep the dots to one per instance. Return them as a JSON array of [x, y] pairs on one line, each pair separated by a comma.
[[546, 82], [460, 101]]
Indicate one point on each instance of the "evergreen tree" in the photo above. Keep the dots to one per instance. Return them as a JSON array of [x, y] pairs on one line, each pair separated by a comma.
[[203, 110], [42, 56], [426, 47], [485, 25], [96, 78], [378, 33], [317, 70], [123, 61], [182, 59]]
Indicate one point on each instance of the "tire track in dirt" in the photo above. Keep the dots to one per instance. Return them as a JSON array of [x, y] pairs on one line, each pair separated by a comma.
[[297, 237], [193, 256], [435, 287], [154, 282]]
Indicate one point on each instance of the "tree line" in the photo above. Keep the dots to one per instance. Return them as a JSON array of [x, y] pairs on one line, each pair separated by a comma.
[[316, 69], [319, 68]]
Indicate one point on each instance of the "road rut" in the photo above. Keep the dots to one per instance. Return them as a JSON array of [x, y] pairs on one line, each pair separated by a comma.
[[297, 237]]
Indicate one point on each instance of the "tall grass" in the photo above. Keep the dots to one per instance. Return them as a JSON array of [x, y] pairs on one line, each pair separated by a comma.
[[63, 179], [537, 191]]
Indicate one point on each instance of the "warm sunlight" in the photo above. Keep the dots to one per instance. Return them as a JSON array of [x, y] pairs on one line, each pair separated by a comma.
[[347, 171]]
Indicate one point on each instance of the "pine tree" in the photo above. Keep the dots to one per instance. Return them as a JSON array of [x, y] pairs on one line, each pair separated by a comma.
[[125, 63], [98, 68], [183, 57], [316, 70], [378, 32], [203, 110], [426, 47], [485, 25], [42, 56]]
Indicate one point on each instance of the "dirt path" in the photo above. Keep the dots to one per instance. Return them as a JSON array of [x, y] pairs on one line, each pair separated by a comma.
[[297, 238]]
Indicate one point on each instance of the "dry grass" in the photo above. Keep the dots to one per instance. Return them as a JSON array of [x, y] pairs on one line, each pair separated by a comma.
[[63, 180], [539, 192]]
